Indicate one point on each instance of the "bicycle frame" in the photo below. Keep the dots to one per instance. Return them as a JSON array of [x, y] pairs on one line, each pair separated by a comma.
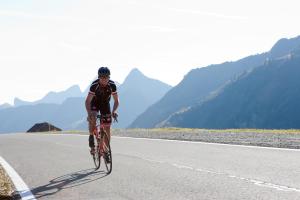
[[100, 129], [103, 145]]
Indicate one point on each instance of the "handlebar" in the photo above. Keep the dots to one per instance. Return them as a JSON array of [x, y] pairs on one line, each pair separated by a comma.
[[115, 118]]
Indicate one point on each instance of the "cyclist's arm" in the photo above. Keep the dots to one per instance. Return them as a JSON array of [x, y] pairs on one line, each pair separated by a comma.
[[88, 102], [116, 102]]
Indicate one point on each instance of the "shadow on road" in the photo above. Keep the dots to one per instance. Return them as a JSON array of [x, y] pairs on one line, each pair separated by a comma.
[[67, 181]]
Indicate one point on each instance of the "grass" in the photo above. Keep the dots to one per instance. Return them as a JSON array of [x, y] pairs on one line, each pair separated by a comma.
[[6, 187]]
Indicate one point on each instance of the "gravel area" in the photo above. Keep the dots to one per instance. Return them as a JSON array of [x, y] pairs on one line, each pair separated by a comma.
[[253, 137], [266, 138]]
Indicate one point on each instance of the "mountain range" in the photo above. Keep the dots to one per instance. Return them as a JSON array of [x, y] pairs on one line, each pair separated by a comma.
[[5, 105], [258, 91], [66, 109], [53, 97], [267, 97], [199, 99], [136, 92]]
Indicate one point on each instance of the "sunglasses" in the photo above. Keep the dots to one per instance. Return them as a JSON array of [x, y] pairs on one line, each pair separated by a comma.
[[104, 77]]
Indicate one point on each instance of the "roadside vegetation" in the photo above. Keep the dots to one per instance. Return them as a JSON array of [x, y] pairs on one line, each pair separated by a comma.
[[191, 130], [279, 138], [6, 186], [187, 130]]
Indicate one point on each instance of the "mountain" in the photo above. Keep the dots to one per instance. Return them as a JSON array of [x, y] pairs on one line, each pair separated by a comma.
[[19, 102], [283, 47], [21, 118], [66, 115], [267, 97], [202, 82], [136, 94], [60, 97], [197, 84], [5, 105], [53, 97]]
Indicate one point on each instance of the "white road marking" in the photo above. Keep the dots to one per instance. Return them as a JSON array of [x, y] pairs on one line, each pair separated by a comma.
[[19, 184], [253, 181], [69, 145], [182, 166]]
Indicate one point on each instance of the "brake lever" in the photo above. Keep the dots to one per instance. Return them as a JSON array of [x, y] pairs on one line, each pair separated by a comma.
[[115, 119]]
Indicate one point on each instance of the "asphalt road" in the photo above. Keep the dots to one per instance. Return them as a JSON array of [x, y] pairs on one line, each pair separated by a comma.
[[60, 167]]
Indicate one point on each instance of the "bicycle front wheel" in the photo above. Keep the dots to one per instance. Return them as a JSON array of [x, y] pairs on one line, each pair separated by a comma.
[[97, 155], [107, 154]]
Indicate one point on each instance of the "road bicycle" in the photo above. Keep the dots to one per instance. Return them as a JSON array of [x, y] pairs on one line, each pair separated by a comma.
[[102, 151]]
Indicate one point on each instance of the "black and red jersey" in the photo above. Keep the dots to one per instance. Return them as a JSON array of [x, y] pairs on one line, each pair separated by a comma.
[[102, 94]]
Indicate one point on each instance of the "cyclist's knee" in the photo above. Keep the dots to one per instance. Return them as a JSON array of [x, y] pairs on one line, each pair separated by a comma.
[[92, 126], [107, 130]]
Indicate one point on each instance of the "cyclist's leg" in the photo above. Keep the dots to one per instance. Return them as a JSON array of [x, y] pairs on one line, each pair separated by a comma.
[[106, 119], [92, 126], [107, 130], [105, 124]]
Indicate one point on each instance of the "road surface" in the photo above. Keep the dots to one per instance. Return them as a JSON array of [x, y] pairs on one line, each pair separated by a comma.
[[60, 167]]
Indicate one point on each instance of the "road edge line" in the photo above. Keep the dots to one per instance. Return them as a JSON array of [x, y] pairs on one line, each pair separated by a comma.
[[18, 182]]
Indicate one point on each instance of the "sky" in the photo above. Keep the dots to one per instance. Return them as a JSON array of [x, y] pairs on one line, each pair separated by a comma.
[[50, 45]]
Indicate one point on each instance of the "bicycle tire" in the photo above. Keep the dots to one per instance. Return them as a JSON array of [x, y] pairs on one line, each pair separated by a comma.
[[107, 149], [97, 156]]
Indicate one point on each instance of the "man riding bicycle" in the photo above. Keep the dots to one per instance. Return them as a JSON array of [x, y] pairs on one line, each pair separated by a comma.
[[97, 100]]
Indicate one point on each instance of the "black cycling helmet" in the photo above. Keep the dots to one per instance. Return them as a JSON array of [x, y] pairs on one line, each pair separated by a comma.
[[103, 71]]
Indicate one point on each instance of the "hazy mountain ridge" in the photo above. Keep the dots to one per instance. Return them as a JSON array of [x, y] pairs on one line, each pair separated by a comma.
[[198, 84], [4, 106], [53, 97], [194, 94], [195, 86], [21, 118], [267, 97], [17, 119], [283, 47], [136, 94]]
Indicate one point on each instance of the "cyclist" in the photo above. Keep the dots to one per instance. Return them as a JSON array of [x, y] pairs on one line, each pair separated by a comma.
[[97, 100]]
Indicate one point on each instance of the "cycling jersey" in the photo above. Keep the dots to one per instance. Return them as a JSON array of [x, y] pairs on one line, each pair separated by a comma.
[[102, 96]]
